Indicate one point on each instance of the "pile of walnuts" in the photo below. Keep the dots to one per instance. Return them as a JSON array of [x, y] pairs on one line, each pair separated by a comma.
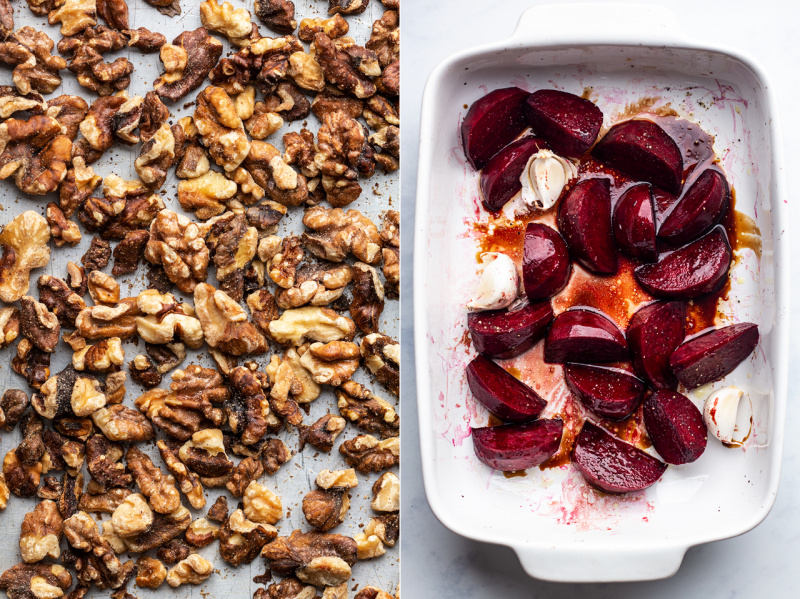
[[282, 317]]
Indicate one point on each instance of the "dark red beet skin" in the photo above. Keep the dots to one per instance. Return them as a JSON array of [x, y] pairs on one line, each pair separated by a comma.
[[611, 464], [635, 224], [500, 178], [712, 355], [517, 446], [701, 207], [493, 122], [584, 219], [644, 151], [504, 334], [609, 392], [545, 262], [675, 427], [654, 332], [501, 393], [569, 123], [691, 271], [584, 336]]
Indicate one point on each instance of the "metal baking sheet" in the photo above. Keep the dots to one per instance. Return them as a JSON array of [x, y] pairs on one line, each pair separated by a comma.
[[295, 478]]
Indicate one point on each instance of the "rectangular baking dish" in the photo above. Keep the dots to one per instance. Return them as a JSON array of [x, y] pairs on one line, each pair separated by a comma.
[[561, 530]]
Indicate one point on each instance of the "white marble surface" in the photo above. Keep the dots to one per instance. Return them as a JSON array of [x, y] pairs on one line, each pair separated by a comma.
[[438, 563]]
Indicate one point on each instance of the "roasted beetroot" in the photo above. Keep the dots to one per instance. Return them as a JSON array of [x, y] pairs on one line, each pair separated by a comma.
[[584, 336], [501, 393], [612, 465], [569, 123], [675, 427], [635, 224], [712, 355], [545, 262], [653, 334], [500, 178], [493, 122], [584, 219], [643, 150], [517, 446], [609, 392], [504, 334], [701, 207], [691, 271]]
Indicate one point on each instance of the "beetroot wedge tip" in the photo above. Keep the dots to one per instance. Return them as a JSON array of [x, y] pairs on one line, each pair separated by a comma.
[[675, 427], [499, 392], [701, 207], [545, 262], [569, 123], [500, 178], [511, 447], [653, 333], [635, 223], [504, 334], [584, 219], [492, 122]]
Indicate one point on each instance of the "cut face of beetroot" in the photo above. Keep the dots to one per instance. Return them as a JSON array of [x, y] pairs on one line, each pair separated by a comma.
[[675, 427], [609, 392], [584, 336], [504, 334], [584, 219], [501, 393], [635, 224], [545, 262], [517, 446], [491, 123], [700, 208], [711, 356], [653, 334], [691, 271], [612, 465], [569, 123], [500, 178], [644, 151]]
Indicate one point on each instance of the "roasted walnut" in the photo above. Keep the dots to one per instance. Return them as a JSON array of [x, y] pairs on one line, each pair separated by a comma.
[[262, 505], [145, 40], [150, 572], [71, 493], [176, 243], [205, 454], [78, 184], [9, 325], [22, 480], [332, 100], [188, 481], [40, 533], [389, 81], [129, 251], [266, 216], [385, 527], [263, 122], [174, 551], [106, 502], [165, 528], [385, 39], [369, 546], [326, 508], [102, 322], [35, 68], [133, 516], [288, 102], [317, 284], [234, 245], [102, 461], [62, 230], [288, 588], [156, 156], [225, 324], [187, 61], [113, 12], [248, 407], [35, 581], [97, 256], [368, 412], [289, 378], [31, 449], [158, 487], [38, 324], [337, 233], [205, 195], [271, 172], [201, 533], [331, 363], [121, 423], [165, 320], [274, 455], [386, 493], [194, 162], [31, 363], [74, 16], [367, 304], [126, 206], [334, 27], [24, 244], [219, 511], [347, 7], [144, 372], [341, 69], [323, 432], [276, 14], [103, 567], [314, 557], [366, 454], [311, 322], [103, 289], [191, 570], [241, 540], [169, 8], [233, 24], [247, 471], [97, 129], [12, 406], [50, 489], [285, 262], [221, 128]]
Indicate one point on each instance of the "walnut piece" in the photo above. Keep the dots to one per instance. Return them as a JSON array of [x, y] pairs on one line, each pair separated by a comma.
[[317, 284], [97, 256], [386, 493], [35, 68], [129, 251], [156, 156], [276, 14], [22, 479], [205, 195], [155, 485], [315, 557], [311, 322], [323, 432], [176, 243], [241, 540], [367, 411], [385, 38], [103, 289], [174, 551], [102, 322], [187, 61], [262, 505], [165, 320], [366, 454], [233, 24], [104, 567], [9, 325], [369, 547], [248, 408], [31, 363], [367, 303], [40, 533], [24, 244], [274, 455], [104, 502], [38, 324], [62, 230], [219, 511], [188, 481], [347, 7], [325, 509], [338, 234], [285, 262], [341, 68], [386, 528], [104, 356], [225, 324], [334, 27], [201, 533], [331, 363], [133, 516], [221, 128], [13, 404], [205, 454], [192, 570], [165, 528], [102, 461], [150, 572], [35, 581], [121, 423]]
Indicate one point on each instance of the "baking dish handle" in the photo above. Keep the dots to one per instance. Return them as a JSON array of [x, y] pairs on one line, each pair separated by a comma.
[[612, 23], [604, 565]]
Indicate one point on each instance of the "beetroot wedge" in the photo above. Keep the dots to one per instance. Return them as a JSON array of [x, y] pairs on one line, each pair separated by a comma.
[[584, 219], [500, 177], [491, 123], [711, 356], [611, 464], [635, 224], [701, 207], [691, 271], [517, 446], [545, 262], [653, 334], [609, 392], [643, 150], [501, 393], [569, 123], [675, 427], [584, 336], [504, 334]]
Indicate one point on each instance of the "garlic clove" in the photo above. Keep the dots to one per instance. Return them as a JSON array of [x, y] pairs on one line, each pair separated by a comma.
[[498, 285], [544, 177], [720, 411]]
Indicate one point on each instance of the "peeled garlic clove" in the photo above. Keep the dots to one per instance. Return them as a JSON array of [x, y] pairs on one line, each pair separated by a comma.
[[498, 285], [544, 177], [720, 411]]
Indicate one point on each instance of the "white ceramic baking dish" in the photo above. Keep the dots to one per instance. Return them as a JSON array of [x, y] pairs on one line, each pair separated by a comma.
[[560, 529]]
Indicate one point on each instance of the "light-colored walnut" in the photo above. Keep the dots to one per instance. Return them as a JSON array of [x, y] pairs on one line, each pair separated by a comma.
[[121, 423], [74, 16], [192, 570], [165, 320], [206, 194], [386, 493], [225, 324], [262, 505], [112, 538], [233, 24], [201, 533], [132, 516], [24, 242], [306, 72], [177, 244], [337, 479], [9, 325], [331, 363], [101, 357], [311, 322], [151, 572], [369, 547]]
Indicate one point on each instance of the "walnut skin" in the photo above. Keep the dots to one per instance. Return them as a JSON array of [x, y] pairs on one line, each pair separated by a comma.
[[188, 481], [323, 432], [325, 509], [367, 304], [197, 53], [177, 244], [366, 454], [102, 461], [314, 557], [24, 244], [38, 324], [248, 407], [241, 540]]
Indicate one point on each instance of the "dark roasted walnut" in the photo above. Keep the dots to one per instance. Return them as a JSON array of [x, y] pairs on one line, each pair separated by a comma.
[[263, 309], [241, 540], [389, 81], [50, 488], [35, 581], [326, 508], [99, 564], [97, 129], [31, 363], [31, 448], [315, 557], [266, 216], [372, 593], [274, 455], [188, 481], [385, 39], [105, 503], [177, 422], [380, 113], [187, 61], [165, 528], [6, 19], [126, 206], [219, 511], [62, 230], [334, 27], [341, 68], [367, 304], [79, 183], [68, 394], [69, 111], [284, 264], [64, 452], [288, 101], [343, 144], [71, 493], [337, 233], [144, 372], [158, 487], [60, 299], [347, 7], [301, 151], [129, 251], [77, 279], [35, 68], [113, 12], [97, 256], [173, 551], [167, 356], [176, 243], [221, 129], [366, 454], [156, 156], [103, 462], [387, 140], [248, 407], [13, 405], [150, 572], [205, 455], [86, 59], [332, 100], [35, 152], [288, 588], [233, 245], [276, 177], [169, 8], [38, 324], [157, 279], [323, 432], [385, 527], [72, 426], [145, 40], [248, 470], [22, 480], [278, 15], [199, 389], [382, 357]]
